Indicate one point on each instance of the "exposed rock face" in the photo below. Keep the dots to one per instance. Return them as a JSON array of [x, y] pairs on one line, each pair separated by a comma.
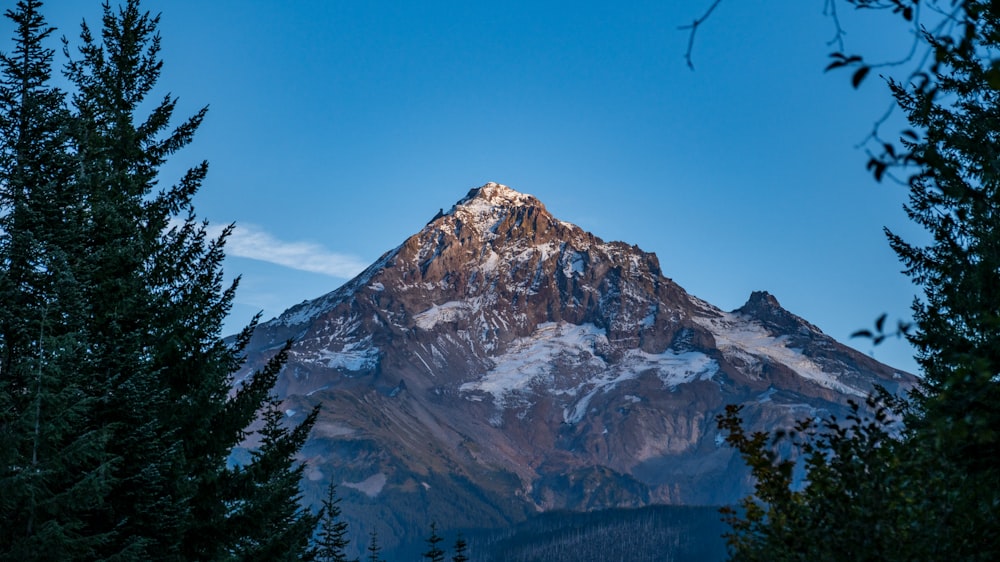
[[501, 362]]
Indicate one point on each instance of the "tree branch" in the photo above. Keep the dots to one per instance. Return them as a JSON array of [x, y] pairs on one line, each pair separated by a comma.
[[693, 26]]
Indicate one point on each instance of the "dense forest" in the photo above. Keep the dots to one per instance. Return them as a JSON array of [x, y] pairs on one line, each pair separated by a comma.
[[654, 534]]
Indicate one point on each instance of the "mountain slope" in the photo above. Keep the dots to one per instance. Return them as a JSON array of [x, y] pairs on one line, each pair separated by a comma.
[[501, 362]]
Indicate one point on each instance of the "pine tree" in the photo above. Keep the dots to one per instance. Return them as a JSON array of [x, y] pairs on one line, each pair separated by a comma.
[[461, 547], [133, 293], [434, 552], [117, 411], [274, 524], [52, 460], [955, 197], [374, 549], [332, 542]]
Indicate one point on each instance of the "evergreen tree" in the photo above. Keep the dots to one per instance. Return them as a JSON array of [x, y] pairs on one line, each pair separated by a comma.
[[853, 507], [374, 549], [52, 460], [274, 524], [332, 541], [929, 490], [461, 547], [117, 410], [434, 552], [955, 196]]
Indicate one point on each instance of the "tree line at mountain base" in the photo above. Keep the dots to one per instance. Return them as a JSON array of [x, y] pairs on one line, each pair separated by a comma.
[[660, 533]]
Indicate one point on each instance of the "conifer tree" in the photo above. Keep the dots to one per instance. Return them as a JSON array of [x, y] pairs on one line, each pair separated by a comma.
[[374, 549], [273, 524], [434, 552], [461, 547], [331, 544], [138, 281], [929, 490], [117, 411], [955, 197], [52, 459]]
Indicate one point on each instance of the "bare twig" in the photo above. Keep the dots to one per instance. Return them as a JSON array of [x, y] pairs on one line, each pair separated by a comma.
[[830, 9], [874, 134], [693, 26], [945, 21]]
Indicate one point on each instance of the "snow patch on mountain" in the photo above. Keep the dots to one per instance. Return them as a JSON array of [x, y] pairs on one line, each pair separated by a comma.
[[371, 486], [531, 363], [573, 264], [530, 360], [748, 341], [451, 311], [354, 356], [672, 368]]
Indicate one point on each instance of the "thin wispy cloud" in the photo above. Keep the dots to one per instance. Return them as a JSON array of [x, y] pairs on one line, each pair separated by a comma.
[[251, 241]]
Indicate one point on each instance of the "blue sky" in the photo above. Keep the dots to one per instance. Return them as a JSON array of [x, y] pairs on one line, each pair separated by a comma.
[[337, 129]]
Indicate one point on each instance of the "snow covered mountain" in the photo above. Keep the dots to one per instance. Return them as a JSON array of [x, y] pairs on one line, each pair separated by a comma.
[[502, 362]]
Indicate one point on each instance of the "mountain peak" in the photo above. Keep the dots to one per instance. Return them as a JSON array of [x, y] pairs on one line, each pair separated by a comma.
[[495, 194], [761, 299], [485, 208], [493, 198], [514, 362], [764, 307]]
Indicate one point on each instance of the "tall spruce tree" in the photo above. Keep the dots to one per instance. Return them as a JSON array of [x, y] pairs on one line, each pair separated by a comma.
[[155, 283], [461, 549], [53, 462], [955, 196], [117, 411]]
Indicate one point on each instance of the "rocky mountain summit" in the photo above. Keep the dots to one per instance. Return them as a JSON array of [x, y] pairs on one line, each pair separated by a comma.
[[502, 362]]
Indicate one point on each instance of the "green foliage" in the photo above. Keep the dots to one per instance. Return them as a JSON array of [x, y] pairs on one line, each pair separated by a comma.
[[272, 523], [52, 459], [117, 411], [332, 540], [855, 504], [929, 490], [955, 196]]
